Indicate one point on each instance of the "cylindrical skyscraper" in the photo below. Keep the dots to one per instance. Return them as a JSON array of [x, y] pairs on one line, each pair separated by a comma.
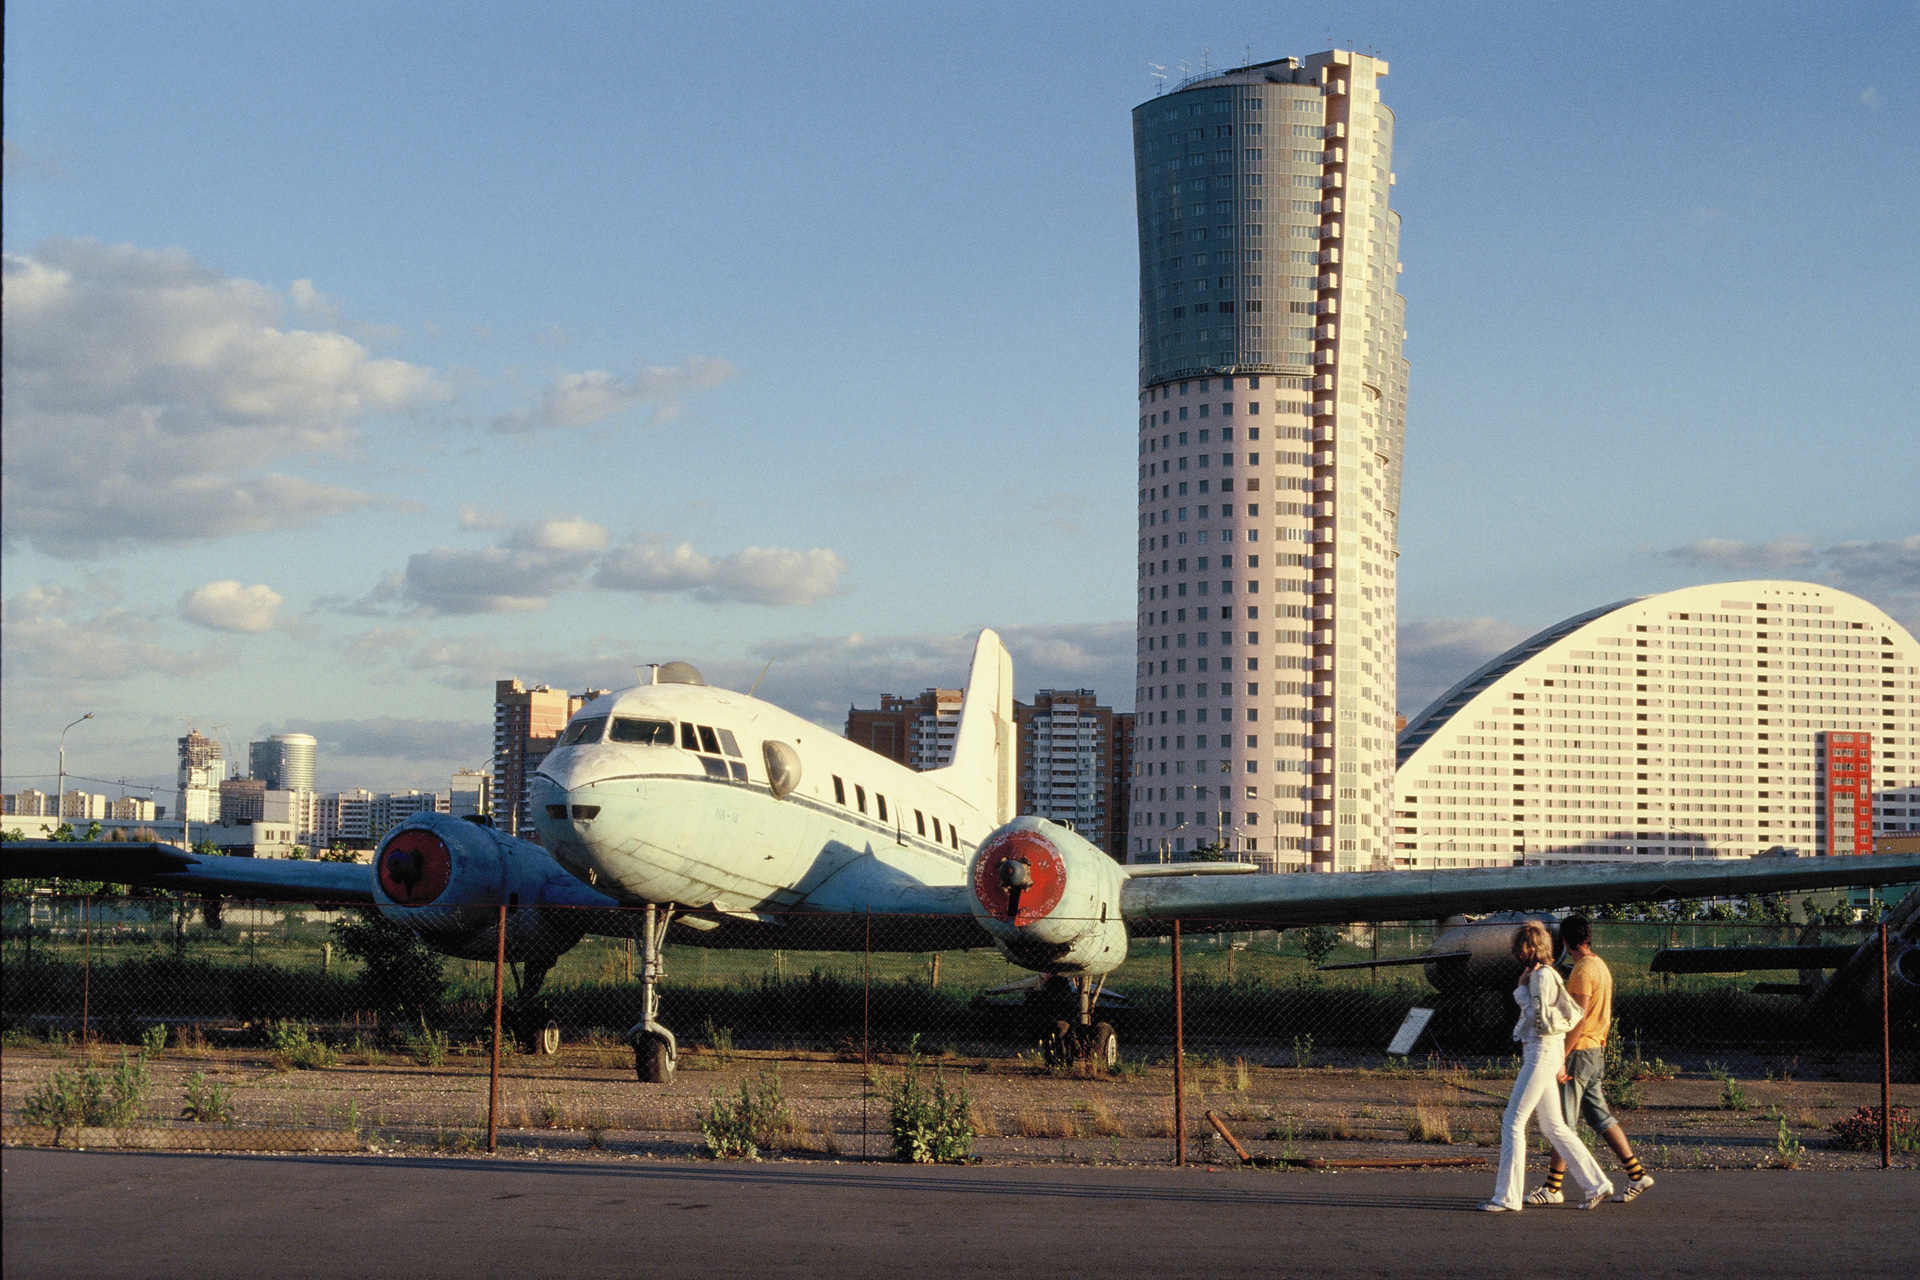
[[1272, 417], [284, 762]]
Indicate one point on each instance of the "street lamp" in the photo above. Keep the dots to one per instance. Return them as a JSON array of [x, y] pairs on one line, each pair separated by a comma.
[[60, 795]]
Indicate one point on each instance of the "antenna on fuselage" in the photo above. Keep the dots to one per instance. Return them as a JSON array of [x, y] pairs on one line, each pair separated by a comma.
[[653, 672], [762, 676]]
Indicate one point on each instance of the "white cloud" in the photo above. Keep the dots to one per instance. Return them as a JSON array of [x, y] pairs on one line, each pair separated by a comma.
[[42, 644], [582, 399], [534, 562], [1870, 98], [756, 575], [228, 606], [1885, 572], [1436, 653], [147, 397]]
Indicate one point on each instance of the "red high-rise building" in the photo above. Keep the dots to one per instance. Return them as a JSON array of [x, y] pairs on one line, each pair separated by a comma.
[[1843, 764]]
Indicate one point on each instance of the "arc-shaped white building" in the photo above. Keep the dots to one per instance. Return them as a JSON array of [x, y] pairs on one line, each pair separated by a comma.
[[1714, 721]]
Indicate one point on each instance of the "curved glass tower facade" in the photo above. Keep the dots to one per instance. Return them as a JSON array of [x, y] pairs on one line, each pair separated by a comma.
[[1271, 423]]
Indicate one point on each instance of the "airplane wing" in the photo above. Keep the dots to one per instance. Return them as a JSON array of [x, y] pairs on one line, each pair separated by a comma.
[[1285, 901], [1387, 964], [155, 865], [1743, 959]]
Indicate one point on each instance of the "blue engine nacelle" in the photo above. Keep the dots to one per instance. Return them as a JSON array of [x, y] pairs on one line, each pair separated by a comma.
[[1049, 899], [446, 879]]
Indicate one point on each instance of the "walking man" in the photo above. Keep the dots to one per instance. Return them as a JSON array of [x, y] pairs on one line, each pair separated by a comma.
[[1591, 984]]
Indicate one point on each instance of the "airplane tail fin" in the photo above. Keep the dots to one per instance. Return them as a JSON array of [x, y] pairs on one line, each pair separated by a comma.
[[983, 746]]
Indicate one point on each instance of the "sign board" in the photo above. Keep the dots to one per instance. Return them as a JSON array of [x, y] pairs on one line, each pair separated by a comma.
[[1410, 1028]]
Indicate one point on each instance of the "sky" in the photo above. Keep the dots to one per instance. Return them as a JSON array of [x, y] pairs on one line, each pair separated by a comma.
[[359, 355]]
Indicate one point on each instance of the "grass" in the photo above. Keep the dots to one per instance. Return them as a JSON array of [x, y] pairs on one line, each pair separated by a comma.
[[1428, 1123]]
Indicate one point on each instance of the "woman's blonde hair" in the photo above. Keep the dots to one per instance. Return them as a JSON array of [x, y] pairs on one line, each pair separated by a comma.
[[1533, 944]]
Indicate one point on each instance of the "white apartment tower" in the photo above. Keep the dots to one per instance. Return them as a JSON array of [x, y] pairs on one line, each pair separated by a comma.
[[1272, 418]]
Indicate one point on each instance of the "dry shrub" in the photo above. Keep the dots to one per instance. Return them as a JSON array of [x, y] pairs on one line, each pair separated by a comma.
[[984, 1125], [1429, 1123], [1030, 1124], [1104, 1122], [1242, 1076], [1161, 1126]]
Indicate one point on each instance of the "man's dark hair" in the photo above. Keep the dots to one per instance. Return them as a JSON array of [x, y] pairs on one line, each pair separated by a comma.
[[1575, 931]]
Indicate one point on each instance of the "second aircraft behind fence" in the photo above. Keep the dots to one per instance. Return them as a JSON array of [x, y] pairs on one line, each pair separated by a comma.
[[733, 823]]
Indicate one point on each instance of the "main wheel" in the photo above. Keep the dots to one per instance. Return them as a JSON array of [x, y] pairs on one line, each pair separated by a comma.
[[1103, 1047], [546, 1039], [653, 1061]]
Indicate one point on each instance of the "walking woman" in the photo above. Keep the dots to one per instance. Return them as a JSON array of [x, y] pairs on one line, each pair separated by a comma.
[[1547, 1013]]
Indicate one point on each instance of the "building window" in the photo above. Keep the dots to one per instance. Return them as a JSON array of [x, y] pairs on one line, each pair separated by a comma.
[[839, 791]]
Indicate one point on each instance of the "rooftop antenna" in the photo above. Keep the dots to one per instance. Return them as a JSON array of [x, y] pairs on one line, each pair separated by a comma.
[[1159, 76], [1246, 56], [1206, 60], [762, 676]]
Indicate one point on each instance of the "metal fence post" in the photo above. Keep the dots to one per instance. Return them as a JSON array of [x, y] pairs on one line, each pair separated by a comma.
[[1179, 1060], [866, 1024], [86, 981], [493, 1083], [1886, 1059]]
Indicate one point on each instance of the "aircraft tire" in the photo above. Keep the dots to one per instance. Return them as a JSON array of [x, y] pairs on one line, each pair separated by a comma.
[[546, 1038], [653, 1061], [1103, 1046]]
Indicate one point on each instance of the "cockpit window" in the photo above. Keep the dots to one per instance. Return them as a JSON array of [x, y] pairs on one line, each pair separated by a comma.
[[657, 733], [689, 739], [709, 743], [587, 730], [729, 744]]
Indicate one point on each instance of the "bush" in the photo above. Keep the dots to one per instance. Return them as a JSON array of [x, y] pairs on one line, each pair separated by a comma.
[[1318, 943], [86, 1098], [401, 973], [929, 1126], [737, 1130], [1861, 1130]]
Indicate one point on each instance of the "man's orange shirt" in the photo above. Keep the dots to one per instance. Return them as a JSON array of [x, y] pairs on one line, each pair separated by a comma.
[[1591, 983]]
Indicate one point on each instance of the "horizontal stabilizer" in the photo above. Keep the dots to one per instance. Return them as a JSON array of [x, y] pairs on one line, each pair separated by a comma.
[[1382, 964], [1742, 959], [1193, 869]]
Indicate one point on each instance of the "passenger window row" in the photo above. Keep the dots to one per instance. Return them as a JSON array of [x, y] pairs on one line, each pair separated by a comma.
[[950, 837]]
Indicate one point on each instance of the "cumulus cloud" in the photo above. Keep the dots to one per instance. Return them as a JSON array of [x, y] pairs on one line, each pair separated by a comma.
[[533, 563], [148, 397], [582, 399], [1776, 556], [42, 641], [756, 575], [1436, 653], [228, 606]]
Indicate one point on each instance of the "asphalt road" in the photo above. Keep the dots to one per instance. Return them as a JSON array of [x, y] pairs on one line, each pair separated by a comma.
[[131, 1215]]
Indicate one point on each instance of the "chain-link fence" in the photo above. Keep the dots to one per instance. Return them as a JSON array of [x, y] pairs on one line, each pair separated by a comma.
[[284, 990]]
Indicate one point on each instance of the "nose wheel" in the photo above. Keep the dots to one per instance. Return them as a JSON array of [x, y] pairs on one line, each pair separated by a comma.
[[1084, 1041], [655, 1052]]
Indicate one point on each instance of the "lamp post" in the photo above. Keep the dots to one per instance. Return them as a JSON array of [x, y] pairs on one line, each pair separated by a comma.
[[60, 795]]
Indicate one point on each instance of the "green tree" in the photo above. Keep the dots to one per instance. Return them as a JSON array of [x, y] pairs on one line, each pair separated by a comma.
[[401, 974]]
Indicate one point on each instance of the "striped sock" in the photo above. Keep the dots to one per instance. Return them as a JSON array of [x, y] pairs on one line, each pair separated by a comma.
[[1632, 1165], [1554, 1177]]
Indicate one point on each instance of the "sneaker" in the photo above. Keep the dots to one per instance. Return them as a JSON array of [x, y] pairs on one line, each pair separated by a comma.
[[1494, 1206], [1545, 1195], [1634, 1188], [1595, 1200]]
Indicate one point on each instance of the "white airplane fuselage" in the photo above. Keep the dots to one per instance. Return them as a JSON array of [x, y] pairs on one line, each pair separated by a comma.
[[666, 797]]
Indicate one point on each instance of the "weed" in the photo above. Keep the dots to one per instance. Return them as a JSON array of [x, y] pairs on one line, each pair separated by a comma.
[[1289, 1149], [1242, 1076], [983, 1123], [1114, 1144], [1130, 1068], [1786, 1147], [929, 1126], [295, 1047], [1104, 1121], [1367, 1112], [153, 1041], [737, 1130], [1732, 1096], [1785, 1072], [551, 1114], [719, 1041], [1805, 1119], [428, 1047], [69, 1101], [1209, 1144], [597, 1132], [1716, 1070], [1303, 1051], [208, 1101]]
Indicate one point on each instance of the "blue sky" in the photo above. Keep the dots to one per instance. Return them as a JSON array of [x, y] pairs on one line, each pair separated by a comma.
[[357, 355]]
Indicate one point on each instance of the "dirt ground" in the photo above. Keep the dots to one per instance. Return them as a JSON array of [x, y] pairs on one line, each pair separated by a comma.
[[585, 1102]]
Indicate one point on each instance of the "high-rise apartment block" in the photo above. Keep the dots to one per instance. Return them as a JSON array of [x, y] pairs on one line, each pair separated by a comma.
[[917, 732], [283, 762], [202, 769], [1071, 764], [242, 800], [1843, 778], [1272, 417], [526, 725], [471, 794]]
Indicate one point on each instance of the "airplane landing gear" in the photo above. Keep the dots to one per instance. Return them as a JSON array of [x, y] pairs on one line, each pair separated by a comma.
[[1095, 1044], [655, 1053]]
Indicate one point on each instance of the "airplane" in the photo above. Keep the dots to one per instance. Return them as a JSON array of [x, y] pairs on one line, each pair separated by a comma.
[[729, 822]]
